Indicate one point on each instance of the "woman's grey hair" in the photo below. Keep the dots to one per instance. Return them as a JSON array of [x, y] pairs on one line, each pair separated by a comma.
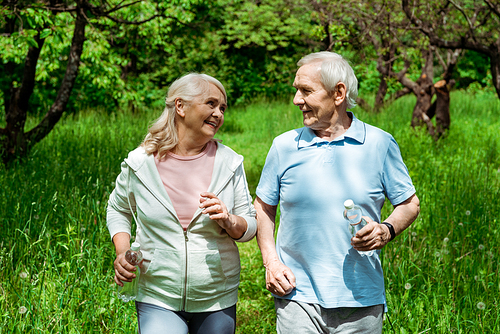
[[334, 69], [162, 136]]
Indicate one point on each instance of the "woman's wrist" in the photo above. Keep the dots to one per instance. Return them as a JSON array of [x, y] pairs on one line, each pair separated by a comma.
[[235, 228]]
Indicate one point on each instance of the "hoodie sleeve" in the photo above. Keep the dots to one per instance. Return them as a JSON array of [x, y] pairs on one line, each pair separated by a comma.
[[243, 206], [119, 214]]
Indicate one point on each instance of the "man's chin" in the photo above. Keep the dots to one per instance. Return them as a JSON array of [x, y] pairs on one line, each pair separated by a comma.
[[308, 122]]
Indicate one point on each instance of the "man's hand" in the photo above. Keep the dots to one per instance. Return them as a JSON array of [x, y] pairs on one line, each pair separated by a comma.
[[372, 236], [279, 278], [376, 236]]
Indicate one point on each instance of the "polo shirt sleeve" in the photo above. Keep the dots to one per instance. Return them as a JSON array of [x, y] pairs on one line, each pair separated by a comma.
[[396, 179], [268, 189]]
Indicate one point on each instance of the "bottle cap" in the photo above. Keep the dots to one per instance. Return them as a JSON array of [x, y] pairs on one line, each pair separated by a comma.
[[135, 246], [349, 204]]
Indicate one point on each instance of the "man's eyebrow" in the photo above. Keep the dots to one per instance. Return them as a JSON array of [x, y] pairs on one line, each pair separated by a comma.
[[303, 86]]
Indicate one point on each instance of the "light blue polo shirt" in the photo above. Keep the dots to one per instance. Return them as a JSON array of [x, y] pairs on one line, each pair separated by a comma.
[[311, 178]]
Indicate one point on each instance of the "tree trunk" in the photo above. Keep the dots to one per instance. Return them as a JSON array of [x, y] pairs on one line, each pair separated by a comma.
[[384, 67], [363, 104], [14, 142], [422, 88], [443, 119], [381, 92], [424, 99], [495, 65]]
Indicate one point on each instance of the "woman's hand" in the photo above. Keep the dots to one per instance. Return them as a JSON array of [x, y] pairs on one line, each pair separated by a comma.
[[216, 209], [234, 225], [124, 271]]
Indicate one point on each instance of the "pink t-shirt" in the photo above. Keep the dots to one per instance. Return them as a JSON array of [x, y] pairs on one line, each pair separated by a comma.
[[185, 178]]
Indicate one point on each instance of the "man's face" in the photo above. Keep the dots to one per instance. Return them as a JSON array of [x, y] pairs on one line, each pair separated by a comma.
[[317, 104]]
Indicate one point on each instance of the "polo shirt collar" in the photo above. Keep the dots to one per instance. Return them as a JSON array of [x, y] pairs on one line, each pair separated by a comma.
[[356, 131]]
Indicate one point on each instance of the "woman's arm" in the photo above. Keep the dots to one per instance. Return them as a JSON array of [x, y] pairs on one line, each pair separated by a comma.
[[123, 269], [234, 225]]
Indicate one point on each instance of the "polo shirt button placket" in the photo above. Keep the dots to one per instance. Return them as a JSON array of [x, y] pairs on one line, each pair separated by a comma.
[[329, 153]]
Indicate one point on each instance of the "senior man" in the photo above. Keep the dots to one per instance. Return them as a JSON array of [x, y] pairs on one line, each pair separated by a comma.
[[320, 282]]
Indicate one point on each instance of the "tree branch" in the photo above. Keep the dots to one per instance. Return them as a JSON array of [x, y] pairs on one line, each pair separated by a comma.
[[59, 105], [461, 43], [471, 27], [116, 20], [494, 8]]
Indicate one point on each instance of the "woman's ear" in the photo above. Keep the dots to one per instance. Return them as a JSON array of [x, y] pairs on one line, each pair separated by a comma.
[[179, 107], [340, 93]]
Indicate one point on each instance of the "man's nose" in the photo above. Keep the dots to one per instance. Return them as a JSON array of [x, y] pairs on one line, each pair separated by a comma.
[[298, 99]]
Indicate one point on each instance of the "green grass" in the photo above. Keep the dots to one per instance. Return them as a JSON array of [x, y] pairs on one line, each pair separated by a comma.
[[56, 256]]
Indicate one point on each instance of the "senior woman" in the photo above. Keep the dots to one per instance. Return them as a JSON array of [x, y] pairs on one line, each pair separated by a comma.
[[188, 196]]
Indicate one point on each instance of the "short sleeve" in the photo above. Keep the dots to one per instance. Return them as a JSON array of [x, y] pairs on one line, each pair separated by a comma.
[[397, 182], [268, 189]]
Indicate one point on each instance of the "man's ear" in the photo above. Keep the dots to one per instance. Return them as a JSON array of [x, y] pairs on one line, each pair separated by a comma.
[[179, 107], [340, 93]]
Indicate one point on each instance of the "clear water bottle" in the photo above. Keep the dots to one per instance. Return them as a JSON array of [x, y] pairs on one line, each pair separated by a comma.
[[353, 213], [129, 290]]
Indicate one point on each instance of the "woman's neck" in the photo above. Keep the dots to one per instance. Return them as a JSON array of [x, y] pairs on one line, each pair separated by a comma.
[[188, 149]]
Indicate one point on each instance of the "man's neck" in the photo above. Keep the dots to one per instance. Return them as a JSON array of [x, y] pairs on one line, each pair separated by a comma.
[[339, 124]]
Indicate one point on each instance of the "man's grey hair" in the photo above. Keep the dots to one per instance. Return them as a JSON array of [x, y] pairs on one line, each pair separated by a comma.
[[334, 69]]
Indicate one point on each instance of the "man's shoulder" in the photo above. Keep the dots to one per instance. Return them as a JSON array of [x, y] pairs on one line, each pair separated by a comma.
[[290, 137], [375, 132]]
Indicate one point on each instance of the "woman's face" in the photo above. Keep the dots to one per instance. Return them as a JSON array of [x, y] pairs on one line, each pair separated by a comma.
[[203, 116]]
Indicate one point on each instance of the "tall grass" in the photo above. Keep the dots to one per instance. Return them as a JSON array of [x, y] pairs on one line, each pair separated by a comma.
[[56, 258]]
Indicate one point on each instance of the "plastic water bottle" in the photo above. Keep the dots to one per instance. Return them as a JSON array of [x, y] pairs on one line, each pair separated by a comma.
[[353, 213], [129, 290]]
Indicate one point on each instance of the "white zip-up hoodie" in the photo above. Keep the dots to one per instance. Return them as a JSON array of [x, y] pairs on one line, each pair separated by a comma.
[[196, 270]]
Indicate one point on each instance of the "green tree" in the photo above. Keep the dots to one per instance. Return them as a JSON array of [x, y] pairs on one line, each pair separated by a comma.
[[34, 30], [462, 24]]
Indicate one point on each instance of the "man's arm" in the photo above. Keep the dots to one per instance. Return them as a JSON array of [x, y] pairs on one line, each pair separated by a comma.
[[376, 236], [279, 278]]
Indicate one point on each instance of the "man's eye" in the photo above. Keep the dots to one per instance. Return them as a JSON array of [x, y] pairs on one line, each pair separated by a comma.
[[222, 110]]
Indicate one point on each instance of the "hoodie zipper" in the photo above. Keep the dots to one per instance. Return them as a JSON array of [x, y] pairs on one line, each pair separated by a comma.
[[186, 239], [184, 297]]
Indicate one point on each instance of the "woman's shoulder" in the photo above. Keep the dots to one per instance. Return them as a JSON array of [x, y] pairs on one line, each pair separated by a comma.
[[228, 154], [223, 149], [137, 157]]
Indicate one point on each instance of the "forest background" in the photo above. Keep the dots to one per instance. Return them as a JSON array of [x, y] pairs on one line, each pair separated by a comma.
[[81, 80]]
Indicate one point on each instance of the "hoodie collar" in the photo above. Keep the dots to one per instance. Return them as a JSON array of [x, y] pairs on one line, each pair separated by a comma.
[[357, 132]]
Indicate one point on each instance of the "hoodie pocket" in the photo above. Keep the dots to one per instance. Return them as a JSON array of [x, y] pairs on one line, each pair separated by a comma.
[[206, 278], [165, 273]]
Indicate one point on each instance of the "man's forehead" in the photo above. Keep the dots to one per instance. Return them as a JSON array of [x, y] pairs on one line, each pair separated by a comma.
[[307, 75]]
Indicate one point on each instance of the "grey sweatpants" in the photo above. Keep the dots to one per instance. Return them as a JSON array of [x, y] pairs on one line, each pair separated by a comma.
[[301, 318]]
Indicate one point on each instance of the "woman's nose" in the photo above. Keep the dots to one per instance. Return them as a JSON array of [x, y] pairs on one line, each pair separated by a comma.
[[217, 112]]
